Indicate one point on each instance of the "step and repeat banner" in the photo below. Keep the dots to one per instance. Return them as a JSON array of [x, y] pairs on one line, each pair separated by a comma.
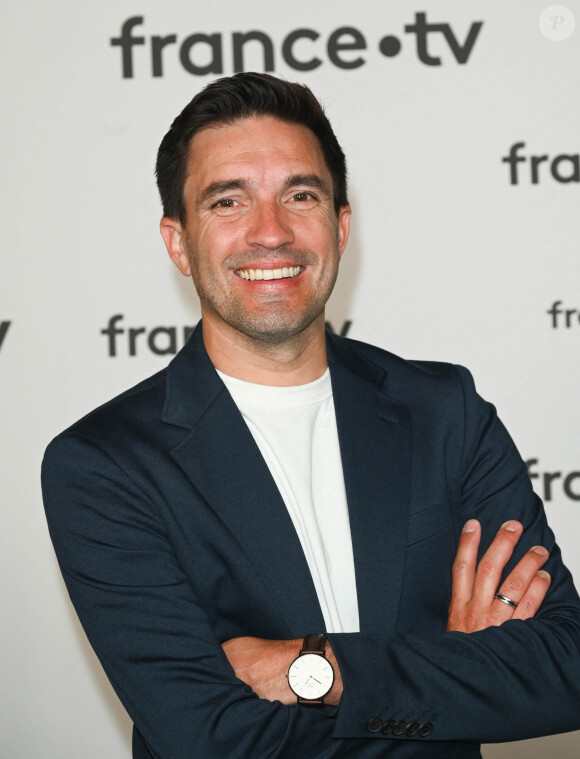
[[461, 125]]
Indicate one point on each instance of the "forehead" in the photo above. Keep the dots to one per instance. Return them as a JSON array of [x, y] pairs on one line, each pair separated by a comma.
[[257, 147]]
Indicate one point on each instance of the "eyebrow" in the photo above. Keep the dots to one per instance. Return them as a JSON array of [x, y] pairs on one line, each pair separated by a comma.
[[217, 188], [308, 180]]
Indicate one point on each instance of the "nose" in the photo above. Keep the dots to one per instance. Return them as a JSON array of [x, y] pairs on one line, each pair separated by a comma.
[[269, 227]]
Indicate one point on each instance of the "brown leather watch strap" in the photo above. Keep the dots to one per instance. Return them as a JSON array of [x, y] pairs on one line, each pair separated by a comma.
[[315, 643]]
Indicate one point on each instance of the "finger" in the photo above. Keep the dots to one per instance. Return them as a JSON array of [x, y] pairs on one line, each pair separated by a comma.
[[534, 596], [463, 569], [517, 583], [491, 566]]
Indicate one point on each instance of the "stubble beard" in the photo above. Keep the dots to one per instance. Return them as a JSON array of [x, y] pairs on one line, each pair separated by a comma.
[[274, 324]]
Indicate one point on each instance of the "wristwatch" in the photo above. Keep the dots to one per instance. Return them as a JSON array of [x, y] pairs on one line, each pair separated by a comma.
[[310, 675]]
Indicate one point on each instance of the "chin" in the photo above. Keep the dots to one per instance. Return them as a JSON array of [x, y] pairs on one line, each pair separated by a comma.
[[274, 330]]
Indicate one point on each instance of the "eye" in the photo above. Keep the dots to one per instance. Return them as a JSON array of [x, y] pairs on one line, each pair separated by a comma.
[[224, 203], [303, 196]]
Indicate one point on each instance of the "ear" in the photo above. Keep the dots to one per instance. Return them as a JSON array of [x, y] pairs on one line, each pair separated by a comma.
[[343, 227], [174, 237]]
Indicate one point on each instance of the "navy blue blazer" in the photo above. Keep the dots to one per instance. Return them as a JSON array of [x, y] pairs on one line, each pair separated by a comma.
[[172, 537]]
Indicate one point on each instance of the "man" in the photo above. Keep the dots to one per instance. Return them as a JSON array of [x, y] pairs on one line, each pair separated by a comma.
[[277, 483]]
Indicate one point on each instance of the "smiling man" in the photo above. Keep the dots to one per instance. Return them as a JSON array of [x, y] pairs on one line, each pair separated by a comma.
[[262, 239], [289, 544]]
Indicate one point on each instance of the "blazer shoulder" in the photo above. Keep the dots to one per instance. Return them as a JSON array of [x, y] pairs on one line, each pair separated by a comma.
[[154, 412], [396, 366], [143, 402], [434, 390]]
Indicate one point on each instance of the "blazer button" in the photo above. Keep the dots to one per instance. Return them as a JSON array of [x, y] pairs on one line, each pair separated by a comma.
[[412, 729], [374, 724], [400, 727], [388, 726], [425, 729]]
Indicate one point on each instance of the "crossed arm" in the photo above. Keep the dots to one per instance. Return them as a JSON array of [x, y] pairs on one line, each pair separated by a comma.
[[263, 664], [138, 588]]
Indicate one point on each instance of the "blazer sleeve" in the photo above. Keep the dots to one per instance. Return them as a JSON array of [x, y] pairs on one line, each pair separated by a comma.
[[515, 681], [153, 638]]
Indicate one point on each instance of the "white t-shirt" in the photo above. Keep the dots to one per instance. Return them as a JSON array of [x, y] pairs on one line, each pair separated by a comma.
[[295, 430]]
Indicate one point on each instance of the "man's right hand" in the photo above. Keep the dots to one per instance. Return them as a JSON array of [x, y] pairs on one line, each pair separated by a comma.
[[474, 605], [263, 665]]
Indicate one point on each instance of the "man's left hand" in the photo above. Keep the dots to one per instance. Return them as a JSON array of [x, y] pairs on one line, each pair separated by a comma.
[[474, 603]]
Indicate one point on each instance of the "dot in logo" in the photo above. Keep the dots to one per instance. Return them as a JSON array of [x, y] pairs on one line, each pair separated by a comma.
[[390, 46], [557, 22]]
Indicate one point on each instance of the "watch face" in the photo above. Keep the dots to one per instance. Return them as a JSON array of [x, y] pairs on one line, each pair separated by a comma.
[[311, 676]]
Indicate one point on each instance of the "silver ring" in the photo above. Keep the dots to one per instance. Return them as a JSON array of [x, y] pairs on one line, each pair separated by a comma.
[[506, 600]]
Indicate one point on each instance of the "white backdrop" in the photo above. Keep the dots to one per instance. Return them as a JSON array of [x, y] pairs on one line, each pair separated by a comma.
[[448, 258]]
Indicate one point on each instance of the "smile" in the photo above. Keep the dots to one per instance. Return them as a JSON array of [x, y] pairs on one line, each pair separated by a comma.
[[283, 273]]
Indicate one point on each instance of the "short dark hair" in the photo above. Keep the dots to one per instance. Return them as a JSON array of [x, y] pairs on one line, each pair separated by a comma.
[[231, 99]]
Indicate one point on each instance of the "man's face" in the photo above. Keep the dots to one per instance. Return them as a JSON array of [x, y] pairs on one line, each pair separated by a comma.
[[262, 240]]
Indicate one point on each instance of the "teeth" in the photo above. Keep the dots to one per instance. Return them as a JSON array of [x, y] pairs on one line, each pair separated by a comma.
[[283, 273]]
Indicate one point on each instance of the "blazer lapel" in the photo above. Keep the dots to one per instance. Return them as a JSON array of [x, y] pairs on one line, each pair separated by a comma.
[[223, 462], [375, 443]]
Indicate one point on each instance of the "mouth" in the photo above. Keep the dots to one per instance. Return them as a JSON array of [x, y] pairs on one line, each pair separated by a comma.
[[285, 272]]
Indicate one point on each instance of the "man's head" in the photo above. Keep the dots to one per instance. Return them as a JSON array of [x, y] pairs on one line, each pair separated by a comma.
[[232, 99], [252, 209]]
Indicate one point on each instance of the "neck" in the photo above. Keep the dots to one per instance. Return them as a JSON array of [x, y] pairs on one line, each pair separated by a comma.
[[294, 361]]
